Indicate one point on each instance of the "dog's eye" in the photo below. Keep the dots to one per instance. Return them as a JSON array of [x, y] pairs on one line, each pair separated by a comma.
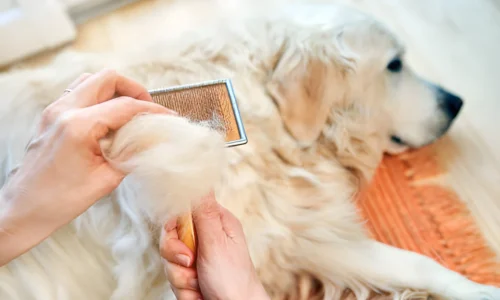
[[397, 140], [395, 65]]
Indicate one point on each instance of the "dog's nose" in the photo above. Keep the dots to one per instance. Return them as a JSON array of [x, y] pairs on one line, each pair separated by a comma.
[[451, 104]]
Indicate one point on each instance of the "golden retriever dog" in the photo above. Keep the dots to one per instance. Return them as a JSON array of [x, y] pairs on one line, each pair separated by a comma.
[[323, 91]]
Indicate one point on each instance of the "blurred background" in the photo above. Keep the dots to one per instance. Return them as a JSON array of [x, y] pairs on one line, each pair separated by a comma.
[[453, 42]]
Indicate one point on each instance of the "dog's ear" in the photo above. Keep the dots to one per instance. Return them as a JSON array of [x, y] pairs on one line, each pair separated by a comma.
[[305, 84]]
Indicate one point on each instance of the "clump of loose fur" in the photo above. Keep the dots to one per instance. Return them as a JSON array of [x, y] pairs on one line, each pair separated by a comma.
[[172, 161]]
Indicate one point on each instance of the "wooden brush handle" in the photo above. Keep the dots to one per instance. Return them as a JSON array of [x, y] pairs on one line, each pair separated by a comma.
[[187, 233]]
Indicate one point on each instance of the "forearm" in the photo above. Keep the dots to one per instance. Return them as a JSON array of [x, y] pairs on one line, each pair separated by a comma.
[[259, 293], [18, 230]]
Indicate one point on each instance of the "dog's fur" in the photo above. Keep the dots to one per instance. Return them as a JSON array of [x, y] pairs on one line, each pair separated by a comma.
[[320, 108]]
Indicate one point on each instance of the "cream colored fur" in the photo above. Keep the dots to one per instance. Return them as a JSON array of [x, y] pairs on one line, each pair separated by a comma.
[[319, 110], [168, 185]]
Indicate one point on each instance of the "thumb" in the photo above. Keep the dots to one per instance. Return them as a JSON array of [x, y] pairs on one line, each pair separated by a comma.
[[207, 220], [104, 180]]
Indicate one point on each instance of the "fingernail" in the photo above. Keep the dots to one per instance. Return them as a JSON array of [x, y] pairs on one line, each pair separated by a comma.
[[173, 112], [193, 283], [183, 260]]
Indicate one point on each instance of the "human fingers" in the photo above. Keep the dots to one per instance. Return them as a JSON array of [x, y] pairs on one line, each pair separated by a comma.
[[104, 85], [56, 108], [207, 220], [172, 249], [77, 82], [113, 114], [181, 277], [169, 230], [184, 294], [231, 225]]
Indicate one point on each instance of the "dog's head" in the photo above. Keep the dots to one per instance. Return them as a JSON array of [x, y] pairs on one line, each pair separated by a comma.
[[418, 112], [349, 87]]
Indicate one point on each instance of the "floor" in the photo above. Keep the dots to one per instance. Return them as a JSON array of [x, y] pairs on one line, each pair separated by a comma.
[[453, 42]]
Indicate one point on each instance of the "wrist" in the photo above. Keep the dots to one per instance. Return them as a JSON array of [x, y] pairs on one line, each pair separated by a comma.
[[19, 231]]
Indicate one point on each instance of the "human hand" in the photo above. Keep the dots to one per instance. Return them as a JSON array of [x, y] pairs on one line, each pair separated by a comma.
[[63, 172], [224, 270]]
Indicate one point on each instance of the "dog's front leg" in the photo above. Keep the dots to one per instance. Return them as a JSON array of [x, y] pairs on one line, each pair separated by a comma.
[[389, 268]]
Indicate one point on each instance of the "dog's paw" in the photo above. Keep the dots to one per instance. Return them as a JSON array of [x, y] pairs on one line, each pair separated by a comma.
[[478, 292]]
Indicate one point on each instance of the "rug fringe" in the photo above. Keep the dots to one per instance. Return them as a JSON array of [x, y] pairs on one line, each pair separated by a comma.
[[409, 206], [459, 239]]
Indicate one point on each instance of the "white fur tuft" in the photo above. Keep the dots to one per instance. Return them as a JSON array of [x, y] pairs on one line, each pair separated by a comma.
[[174, 162]]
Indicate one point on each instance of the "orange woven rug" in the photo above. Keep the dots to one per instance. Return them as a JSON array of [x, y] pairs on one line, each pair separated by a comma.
[[405, 209]]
